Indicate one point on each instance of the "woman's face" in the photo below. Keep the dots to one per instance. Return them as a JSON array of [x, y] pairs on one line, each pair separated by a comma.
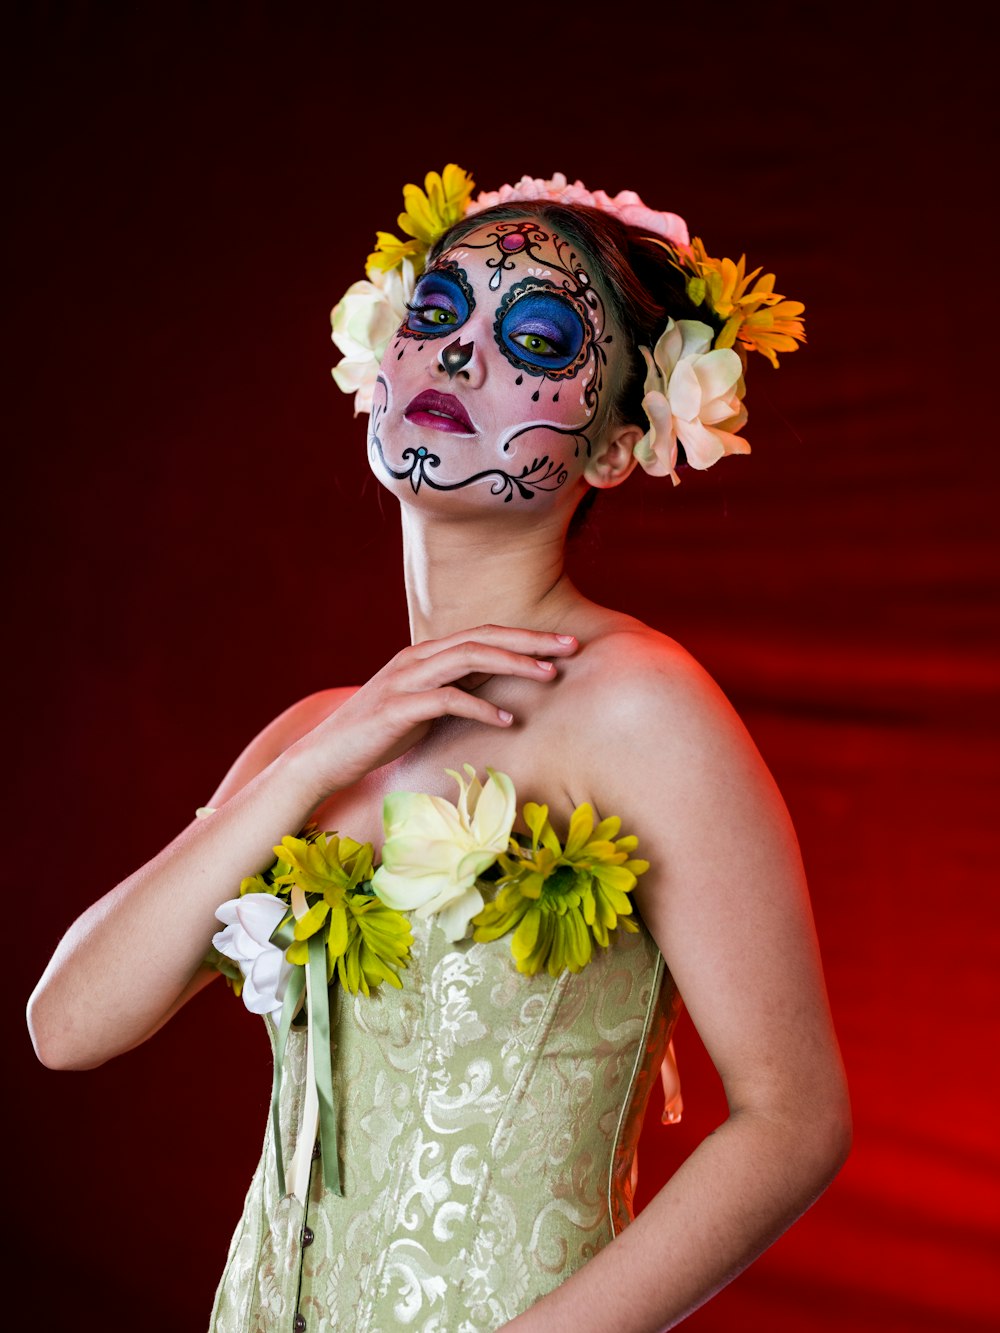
[[494, 388]]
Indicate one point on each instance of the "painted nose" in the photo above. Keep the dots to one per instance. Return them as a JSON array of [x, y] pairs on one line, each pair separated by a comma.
[[455, 357]]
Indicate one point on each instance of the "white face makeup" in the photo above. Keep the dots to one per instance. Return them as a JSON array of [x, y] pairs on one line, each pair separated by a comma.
[[493, 385]]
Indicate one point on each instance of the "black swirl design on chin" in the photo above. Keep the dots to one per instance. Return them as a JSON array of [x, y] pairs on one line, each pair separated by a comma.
[[541, 474]]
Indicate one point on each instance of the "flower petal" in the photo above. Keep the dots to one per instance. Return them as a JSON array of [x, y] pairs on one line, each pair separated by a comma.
[[684, 391], [656, 452], [718, 373], [705, 445], [495, 811], [454, 919]]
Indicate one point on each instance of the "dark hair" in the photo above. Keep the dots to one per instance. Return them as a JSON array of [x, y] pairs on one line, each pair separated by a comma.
[[637, 273]]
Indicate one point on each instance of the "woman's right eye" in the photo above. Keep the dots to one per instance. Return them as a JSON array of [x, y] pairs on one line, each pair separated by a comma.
[[434, 316], [441, 302]]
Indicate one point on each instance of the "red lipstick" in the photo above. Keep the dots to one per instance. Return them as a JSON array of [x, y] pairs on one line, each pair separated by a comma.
[[439, 411]]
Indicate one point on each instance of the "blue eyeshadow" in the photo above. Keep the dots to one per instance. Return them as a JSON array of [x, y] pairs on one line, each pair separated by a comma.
[[547, 314]]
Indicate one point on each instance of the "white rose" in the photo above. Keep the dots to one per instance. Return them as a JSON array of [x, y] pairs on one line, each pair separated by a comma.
[[364, 321], [435, 851], [692, 394], [249, 923]]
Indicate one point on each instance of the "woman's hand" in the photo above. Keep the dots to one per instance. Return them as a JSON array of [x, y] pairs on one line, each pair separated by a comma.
[[428, 680]]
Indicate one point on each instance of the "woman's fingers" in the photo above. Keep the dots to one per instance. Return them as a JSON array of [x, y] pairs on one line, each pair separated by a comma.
[[530, 642], [424, 682], [451, 701], [470, 658]]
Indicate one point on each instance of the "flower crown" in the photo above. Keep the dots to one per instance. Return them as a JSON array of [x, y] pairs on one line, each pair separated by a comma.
[[694, 386]]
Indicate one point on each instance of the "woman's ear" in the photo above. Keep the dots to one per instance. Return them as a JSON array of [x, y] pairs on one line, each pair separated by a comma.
[[613, 460]]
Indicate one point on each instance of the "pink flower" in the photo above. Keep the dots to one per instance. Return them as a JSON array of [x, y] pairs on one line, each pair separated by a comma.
[[626, 205]]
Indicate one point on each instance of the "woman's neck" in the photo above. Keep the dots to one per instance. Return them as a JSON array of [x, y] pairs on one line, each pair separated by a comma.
[[472, 571]]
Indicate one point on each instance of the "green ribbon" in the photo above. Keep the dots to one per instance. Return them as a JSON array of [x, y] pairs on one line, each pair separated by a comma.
[[319, 1023], [290, 1007], [322, 1071]]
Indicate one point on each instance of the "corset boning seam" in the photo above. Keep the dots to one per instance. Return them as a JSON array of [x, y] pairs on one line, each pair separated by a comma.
[[509, 1108], [640, 1056]]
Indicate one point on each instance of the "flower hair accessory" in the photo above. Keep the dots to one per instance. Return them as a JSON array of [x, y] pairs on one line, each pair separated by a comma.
[[370, 311], [626, 205], [694, 387]]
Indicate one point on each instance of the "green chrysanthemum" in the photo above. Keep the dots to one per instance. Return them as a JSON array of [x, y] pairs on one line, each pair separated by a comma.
[[325, 877], [558, 900], [378, 945]]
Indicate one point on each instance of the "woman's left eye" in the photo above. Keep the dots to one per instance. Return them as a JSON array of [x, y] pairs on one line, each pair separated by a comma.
[[536, 343], [538, 329]]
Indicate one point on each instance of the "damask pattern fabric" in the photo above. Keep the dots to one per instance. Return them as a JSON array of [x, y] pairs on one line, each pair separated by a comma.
[[487, 1128]]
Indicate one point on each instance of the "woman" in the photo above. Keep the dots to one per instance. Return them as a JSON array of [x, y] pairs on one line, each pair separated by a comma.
[[503, 985]]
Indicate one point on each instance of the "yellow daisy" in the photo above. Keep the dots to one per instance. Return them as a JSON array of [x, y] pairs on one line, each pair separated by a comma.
[[755, 314], [560, 901], [429, 212], [326, 870]]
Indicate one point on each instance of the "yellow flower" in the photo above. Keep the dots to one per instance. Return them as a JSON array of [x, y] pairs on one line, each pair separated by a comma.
[[558, 900], [325, 876], [390, 252], [773, 329], [428, 214], [327, 869], [755, 314], [378, 944]]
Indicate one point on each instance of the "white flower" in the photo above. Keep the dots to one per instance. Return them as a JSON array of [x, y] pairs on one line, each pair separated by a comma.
[[364, 321], [435, 851], [692, 394], [249, 922], [625, 205]]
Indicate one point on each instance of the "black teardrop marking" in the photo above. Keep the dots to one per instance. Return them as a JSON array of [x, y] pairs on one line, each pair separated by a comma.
[[555, 396], [399, 354], [519, 380], [534, 396], [506, 447]]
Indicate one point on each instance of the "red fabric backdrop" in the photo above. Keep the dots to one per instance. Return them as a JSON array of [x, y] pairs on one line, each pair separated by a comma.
[[191, 192]]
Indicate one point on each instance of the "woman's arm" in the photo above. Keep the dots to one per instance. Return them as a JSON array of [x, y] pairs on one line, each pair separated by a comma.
[[726, 902], [134, 957]]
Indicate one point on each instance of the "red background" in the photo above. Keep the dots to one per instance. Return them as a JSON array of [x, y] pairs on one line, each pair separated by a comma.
[[196, 542]]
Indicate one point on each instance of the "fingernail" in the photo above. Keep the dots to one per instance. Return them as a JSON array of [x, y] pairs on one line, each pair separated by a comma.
[[546, 666], [504, 716], [566, 638]]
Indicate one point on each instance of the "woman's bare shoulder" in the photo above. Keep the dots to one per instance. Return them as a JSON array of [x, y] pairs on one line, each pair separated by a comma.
[[655, 718], [283, 731], [630, 671]]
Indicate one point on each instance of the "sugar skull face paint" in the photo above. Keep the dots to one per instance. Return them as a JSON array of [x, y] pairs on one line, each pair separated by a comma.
[[494, 382]]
